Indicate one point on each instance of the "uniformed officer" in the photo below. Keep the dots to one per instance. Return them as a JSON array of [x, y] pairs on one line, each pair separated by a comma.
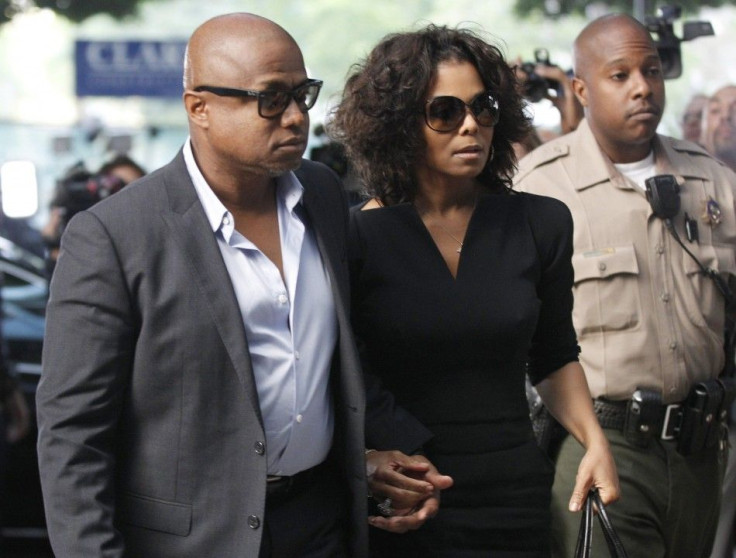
[[650, 323]]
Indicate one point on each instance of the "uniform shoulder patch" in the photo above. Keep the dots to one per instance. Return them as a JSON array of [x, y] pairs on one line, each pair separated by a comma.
[[542, 155], [684, 146]]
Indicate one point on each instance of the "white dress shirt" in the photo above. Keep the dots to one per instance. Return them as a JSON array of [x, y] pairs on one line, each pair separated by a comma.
[[290, 325]]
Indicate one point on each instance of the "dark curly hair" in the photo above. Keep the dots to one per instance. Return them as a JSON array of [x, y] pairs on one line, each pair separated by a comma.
[[377, 119]]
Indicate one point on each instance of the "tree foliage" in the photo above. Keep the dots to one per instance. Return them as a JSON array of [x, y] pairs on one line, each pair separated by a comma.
[[74, 10], [555, 8]]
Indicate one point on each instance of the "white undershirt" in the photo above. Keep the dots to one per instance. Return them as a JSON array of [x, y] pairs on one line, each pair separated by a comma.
[[638, 171]]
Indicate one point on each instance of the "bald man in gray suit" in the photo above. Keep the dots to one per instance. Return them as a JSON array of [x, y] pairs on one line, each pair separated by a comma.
[[201, 393]]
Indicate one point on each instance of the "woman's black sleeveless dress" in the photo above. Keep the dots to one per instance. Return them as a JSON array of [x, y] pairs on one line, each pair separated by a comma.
[[454, 352]]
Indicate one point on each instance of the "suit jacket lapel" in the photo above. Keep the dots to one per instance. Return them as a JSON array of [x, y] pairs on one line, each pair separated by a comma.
[[190, 227], [327, 220], [332, 251]]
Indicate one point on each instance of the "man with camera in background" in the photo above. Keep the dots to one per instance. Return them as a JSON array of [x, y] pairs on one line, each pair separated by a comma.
[[79, 189], [651, 258], [543, 80]]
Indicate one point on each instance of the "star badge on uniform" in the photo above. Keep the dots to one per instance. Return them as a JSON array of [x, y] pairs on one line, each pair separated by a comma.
[[711, 212]]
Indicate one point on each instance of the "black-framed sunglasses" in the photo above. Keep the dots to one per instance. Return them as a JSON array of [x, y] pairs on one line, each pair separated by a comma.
[[446, 113], [273, 102]]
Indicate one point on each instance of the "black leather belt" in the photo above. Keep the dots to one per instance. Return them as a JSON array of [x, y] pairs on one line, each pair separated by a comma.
[[612, 415], [698, 423], [282, 486]]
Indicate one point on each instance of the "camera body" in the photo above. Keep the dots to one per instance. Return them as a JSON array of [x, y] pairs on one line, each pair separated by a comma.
[[535, 86], [668, 44], [77, 190]]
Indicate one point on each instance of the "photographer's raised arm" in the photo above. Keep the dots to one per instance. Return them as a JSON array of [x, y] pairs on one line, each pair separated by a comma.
[[565, 101]]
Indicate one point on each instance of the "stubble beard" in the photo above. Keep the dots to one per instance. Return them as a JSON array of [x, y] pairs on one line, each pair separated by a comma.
[[275, 170]]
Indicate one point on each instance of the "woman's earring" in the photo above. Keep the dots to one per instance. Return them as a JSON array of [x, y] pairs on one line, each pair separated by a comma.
[[493, 154]]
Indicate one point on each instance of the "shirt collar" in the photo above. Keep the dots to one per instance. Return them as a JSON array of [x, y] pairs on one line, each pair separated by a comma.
[[599, 168], [289, 192], [681, 151]]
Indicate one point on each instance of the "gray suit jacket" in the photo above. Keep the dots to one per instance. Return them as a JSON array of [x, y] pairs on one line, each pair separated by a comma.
[[150, 434]]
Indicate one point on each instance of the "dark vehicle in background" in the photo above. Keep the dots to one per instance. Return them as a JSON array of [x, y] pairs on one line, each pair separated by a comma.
[[24, 297]]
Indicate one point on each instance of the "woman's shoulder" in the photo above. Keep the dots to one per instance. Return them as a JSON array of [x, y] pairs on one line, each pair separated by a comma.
[[544, 209], [549, 218], [373, 208], [375, 220], [539, 202], [358, 211]]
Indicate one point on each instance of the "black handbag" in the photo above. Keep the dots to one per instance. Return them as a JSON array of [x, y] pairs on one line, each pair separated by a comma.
[[585, 535]]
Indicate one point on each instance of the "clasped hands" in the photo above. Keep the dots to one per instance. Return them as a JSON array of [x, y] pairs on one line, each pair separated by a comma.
[[409, 485]]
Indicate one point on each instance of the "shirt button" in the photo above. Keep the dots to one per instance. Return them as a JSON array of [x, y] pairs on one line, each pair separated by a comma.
[[665, 297], [297, 355], [660, 249], [254, 522], [602, 266], [299, 418], [260, 448], [282, 299], [673, 345], [226, 220]]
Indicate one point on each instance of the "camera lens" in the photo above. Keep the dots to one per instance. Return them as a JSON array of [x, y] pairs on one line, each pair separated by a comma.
[[535, 88]]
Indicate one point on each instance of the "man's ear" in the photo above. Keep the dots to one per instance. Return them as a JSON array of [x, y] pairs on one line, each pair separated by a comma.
[[196, 108], [580, 90]]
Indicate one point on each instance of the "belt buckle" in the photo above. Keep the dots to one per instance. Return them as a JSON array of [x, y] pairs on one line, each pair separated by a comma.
[[671, 423]]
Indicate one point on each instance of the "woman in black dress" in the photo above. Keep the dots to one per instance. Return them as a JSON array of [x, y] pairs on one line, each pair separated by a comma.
[[460, 286]]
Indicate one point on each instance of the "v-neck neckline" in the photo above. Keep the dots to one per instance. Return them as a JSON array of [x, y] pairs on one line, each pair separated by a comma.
[[433, 245]]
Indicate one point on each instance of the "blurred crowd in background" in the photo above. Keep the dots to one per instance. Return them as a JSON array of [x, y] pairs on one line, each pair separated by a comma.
[[110, 142]]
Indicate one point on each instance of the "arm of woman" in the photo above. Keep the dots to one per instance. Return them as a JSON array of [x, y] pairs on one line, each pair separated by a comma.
[[565, 393]]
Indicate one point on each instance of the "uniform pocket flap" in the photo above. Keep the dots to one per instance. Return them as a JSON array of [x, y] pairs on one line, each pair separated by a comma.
[[158, 515], [604, 262]]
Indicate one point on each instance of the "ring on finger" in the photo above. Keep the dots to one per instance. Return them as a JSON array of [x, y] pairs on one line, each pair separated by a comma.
[[385, 508]]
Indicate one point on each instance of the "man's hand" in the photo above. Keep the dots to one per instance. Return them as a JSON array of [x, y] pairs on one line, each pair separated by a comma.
[[412, 484]]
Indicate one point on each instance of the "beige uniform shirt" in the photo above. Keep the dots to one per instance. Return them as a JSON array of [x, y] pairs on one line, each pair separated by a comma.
[[644, 313]]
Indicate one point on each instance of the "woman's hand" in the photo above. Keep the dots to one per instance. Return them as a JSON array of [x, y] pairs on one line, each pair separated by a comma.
[[413, 485], [565, 393], [596, 469]]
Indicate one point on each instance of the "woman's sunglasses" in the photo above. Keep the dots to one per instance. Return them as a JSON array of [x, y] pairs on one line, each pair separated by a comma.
[[446, 113]]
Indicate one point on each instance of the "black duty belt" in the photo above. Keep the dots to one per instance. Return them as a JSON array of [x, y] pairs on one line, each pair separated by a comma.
[[664, 420], [696, 423]]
